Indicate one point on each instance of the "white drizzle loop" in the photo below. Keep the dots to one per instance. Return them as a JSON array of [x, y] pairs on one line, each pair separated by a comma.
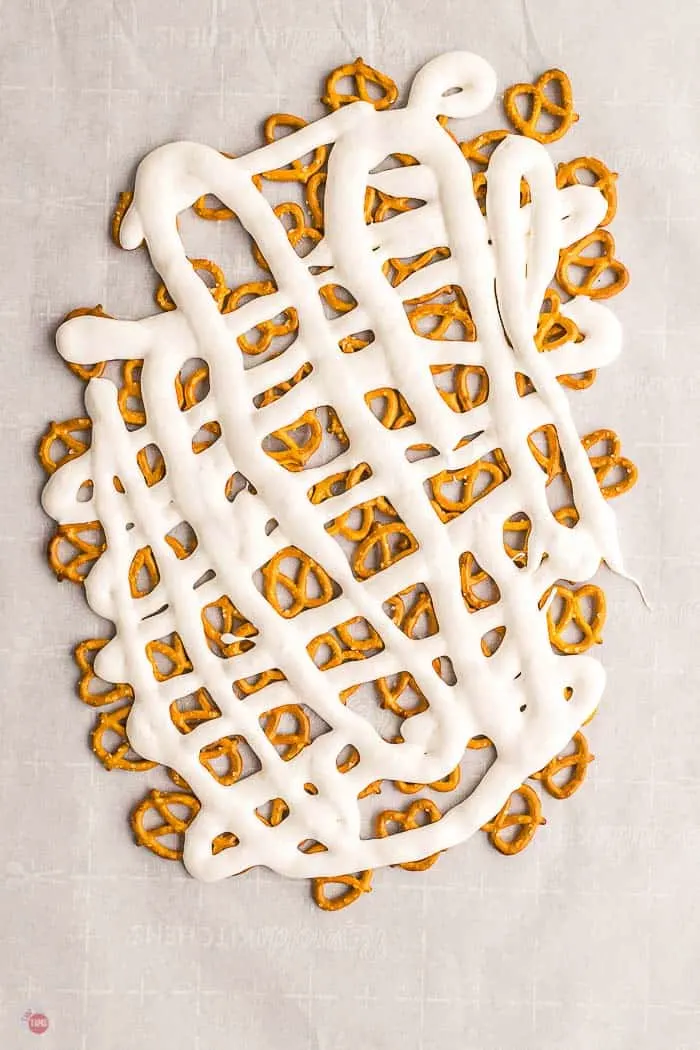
[[503, 263]]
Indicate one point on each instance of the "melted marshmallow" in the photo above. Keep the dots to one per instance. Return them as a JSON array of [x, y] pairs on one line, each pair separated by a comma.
[[504, 264]]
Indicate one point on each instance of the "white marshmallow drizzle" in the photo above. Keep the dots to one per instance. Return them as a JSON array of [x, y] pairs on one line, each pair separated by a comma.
[[504, 263]]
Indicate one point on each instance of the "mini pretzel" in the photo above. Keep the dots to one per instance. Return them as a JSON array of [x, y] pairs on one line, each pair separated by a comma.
[[447, 508], [117, 756], [460, 398], [395, 410], [516, 536], [446, 783], [473, 576], [363, 78], [123, 203], [274, 393], [279, 811], [577, 763], [526, 823], [161, 803], [192, 389], [390, 690], [336, 484], [84, 655], [345, 646], [379, 543], [73, 434], [443, 315], [227, 748], [602, 264], [574, 612], [290, 741], [355, 885], [129, 394], [86, 371], [299, 234], [143, 564], [278, 584], [397, 270], [172, 652], [550, 460], [267, 331], [412, 611], [539, 102], [479, 149], [213, 213], [82, 551], [232, 622], [219, 290], [603, 180], [296, 171], [610, 461], [409, 821], [187, 719]]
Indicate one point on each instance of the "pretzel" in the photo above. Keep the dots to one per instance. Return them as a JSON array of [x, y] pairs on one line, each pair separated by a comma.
[[219, 290], [455, 311], [345, 646], [290, 742], [381, 538], [279, 586], [186, 719], [412, 610], [576, 763], [232, 623], [267, 331], [526, 823], [407, 821], [540, 102], [74, 548], [121, 754], [460, 397], [84, 655], [336, 484], [446, 508], [297, 171], [299, 234], [608, 462], [603, 264], [228, 750], [603, 180], [355, 886], [363, 77], [172, 652], [573, 613], [472, 576], [73, 434], [395, 412]]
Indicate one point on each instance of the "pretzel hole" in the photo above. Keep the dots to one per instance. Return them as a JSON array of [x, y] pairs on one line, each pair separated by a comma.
[[191, 710], [523, 384], [85, 492], [516, 536], [226, 840], [206, 436], [336, 300], [192, 383], [272, 812], [479, 590], [492, 641], [151, 464], [310, 788], [357, 341], [311, 846], [229, 760], [236, 484], [560, 493], [347, 758], [444, 669], [182, 539], [268, 339], [206, 577]]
